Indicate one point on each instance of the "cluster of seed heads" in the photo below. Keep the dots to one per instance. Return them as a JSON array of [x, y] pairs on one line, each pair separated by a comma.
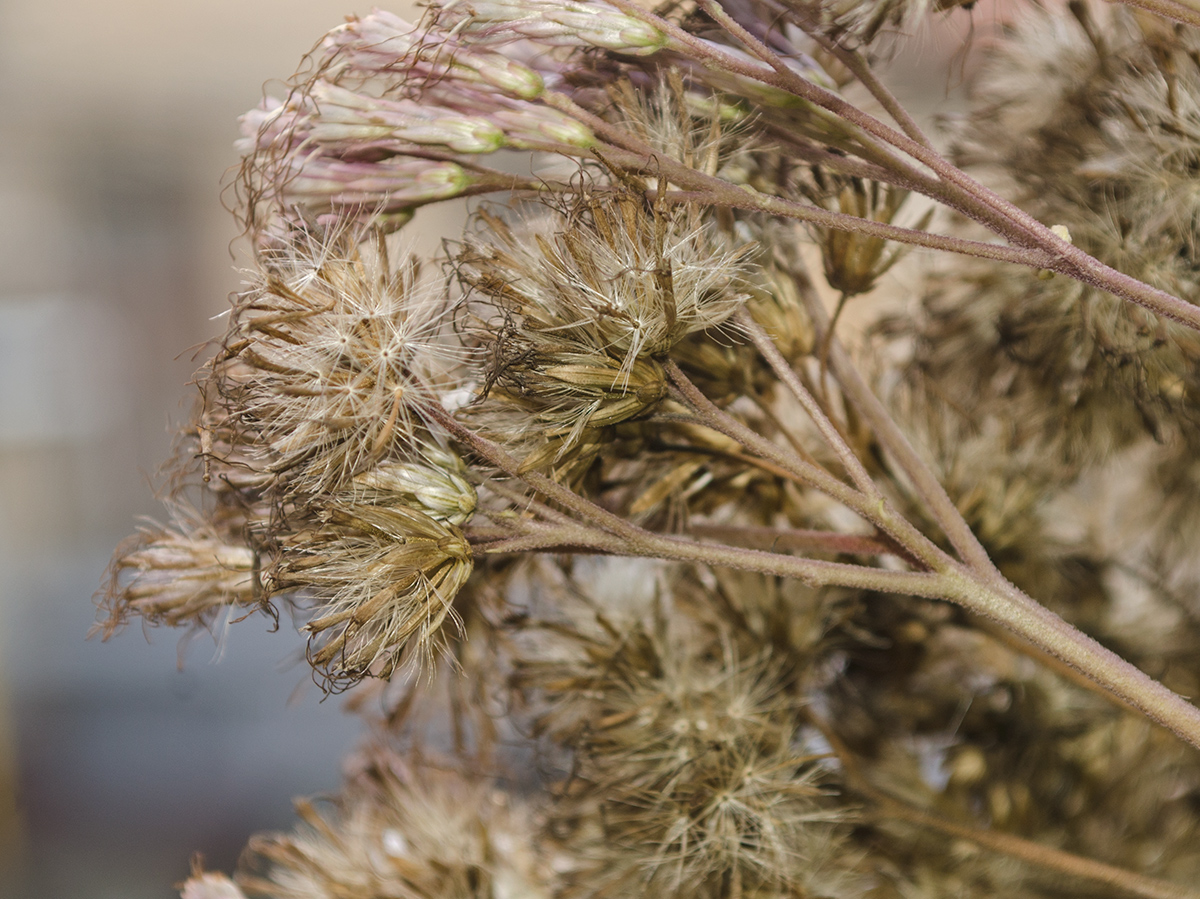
[[642, 346]]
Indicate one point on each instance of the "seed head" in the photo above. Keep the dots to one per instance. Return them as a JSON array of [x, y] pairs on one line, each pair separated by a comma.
[[403, 834], [688, 754], [611, 274], [210, 885], [324, 363], [179, 576], [381, 579]]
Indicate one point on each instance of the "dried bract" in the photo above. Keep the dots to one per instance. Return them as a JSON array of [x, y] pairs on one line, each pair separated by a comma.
[[178, 577]]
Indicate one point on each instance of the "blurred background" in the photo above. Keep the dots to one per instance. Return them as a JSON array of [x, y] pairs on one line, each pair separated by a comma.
[[117, 121]]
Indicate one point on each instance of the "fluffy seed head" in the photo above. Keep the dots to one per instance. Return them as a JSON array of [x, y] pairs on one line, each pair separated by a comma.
[[611, 274], [382, 579], [324, 364], [688, 757], [403, 834]]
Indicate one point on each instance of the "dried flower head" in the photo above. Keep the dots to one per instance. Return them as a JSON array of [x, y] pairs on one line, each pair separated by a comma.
[[324, 367], [180, 576], [579, 305], [612, 273], [688, 766], [854, 262], [210, 885], [421, 56], [403, 834], [381, 579], [1097, 129]]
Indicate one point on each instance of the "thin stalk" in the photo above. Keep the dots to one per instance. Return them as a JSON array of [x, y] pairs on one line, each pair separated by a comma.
[[497, 456], [1007, 844], [1038, 855], [714, 191], [1176, 10], [874, 509], [801, 539], [984, 592], [862, 70], [929, 489], [813, 572], [1042, 657], [979, 588], [833, 437]]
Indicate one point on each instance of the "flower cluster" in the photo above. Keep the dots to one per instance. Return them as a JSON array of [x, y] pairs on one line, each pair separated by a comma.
[[581, 304], [314, 424]]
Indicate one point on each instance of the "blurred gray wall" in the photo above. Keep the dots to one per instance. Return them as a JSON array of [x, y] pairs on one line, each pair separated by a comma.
[[117, 119]]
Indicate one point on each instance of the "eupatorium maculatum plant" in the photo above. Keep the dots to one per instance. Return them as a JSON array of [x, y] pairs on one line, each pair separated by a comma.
[[684, 551]]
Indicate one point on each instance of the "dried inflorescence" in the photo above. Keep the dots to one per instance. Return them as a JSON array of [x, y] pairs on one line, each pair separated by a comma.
[[404, 832], [381, 578], [689, 776], [799, 691], [579, 306], [182, 576], [323, 482], [1095, 123], [327, 367]]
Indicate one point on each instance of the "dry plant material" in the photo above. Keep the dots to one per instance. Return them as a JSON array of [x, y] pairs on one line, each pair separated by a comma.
[[705, 599]]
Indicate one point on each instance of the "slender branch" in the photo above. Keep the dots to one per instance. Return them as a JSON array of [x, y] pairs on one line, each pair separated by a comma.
[[1012, 222], [1176, 10], [1042, 657], [803, 540], [718, 192], [1041, 856], [984, 591], [862, 70], [1006, 844], [783, 370], [895, 442], [874, 509]]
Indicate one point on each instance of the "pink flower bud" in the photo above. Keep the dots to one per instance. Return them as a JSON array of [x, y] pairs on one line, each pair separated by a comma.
[[385, 43], [343, 115], [386, 185], [570, 23]]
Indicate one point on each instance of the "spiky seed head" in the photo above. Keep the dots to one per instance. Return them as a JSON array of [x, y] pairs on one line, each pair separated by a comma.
[[382, 580], [324, 366], [403, 833], [177, 577]]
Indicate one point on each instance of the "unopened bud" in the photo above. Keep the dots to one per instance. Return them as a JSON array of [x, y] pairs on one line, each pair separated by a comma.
[[344, 115]]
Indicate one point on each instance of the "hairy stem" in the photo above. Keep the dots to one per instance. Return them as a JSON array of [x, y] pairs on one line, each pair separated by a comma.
[[1177, 10]]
